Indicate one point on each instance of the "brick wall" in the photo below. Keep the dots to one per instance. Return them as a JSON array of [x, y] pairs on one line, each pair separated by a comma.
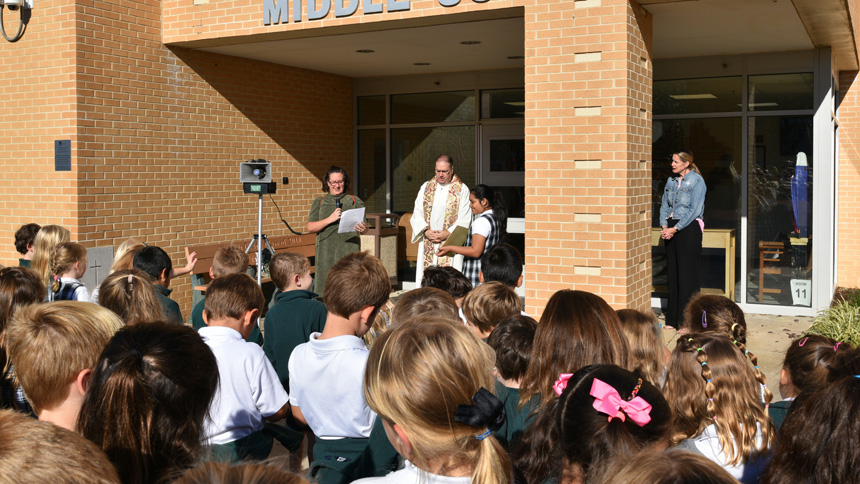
[[588, 156], [36, 107], [848, 241], [161, 133]]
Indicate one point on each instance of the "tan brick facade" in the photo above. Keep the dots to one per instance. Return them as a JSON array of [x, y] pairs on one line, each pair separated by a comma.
[[158, 130], [588, 151], [848, 241], [158, 135]]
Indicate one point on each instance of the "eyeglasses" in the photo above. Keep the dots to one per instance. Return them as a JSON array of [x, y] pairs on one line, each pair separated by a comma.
[[335, 183]]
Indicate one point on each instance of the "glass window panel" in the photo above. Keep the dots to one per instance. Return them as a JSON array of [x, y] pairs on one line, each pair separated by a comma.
[[780, 210], [503, 103], [507, 155], [716, 145], [413, 156], [433, 107], [781, 92], [371, 110], [708, 95], [515, 198], [371, 169]]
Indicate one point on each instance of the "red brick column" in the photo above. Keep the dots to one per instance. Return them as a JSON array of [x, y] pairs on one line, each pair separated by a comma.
[[588, 78]]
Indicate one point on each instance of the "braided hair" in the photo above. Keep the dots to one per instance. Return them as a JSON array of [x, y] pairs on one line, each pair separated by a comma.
[[709, 382]]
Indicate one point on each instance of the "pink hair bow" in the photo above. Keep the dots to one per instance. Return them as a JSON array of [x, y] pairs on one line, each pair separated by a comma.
[[608, 401], [561, 383]]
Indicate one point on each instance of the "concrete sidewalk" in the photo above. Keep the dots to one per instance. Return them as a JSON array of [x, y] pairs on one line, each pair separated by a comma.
[[768, 338]]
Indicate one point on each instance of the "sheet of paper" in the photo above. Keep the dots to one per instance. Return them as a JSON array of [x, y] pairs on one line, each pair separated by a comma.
[[349, 218]]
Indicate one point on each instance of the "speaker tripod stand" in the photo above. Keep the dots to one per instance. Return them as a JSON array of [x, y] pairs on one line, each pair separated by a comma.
[[256, 240]]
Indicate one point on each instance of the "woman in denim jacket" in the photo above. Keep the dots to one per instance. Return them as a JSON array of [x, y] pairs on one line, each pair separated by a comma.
[[682, 228]]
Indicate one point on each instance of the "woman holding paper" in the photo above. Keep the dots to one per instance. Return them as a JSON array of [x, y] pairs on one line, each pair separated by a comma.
[[324, 220], [488, 229]]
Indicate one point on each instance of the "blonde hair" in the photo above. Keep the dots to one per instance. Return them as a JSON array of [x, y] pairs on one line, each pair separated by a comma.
[[49, 344], [285, 265], [710, 382], [646, 344], [131, 295], [248, 473], [416, 376], [687, 157], [489, 304], [229, 260], [124, 256], [45, 240], [36, 451], [63, 257]]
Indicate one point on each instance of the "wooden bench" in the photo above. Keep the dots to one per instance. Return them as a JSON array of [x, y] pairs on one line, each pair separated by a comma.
[[302, 244]]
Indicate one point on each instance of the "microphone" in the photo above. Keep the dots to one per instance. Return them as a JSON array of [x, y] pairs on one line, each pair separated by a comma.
[[338, 203]]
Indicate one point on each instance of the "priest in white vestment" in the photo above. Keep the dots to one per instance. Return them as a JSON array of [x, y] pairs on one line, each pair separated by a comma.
[[442, 204]]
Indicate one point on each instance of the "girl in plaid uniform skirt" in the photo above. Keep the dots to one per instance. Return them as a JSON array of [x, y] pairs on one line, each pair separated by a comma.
[[487, 230]]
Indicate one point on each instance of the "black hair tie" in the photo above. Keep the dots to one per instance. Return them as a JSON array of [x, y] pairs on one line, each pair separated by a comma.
[[487, 411]]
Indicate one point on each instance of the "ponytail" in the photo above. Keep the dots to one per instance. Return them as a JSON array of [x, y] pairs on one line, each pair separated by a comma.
[[501, 214], [492, 465], [120, 417], [497, 204], [147, 399]]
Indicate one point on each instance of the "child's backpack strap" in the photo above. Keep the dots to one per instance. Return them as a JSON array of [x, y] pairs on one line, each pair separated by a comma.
[[67, 291]]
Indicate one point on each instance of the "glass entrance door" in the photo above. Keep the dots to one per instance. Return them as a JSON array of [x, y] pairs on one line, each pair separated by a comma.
[[502, 167]]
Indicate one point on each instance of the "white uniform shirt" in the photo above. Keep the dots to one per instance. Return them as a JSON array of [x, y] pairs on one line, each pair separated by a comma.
[[708, 443], [248, 387], [482, 226], [413, 475], [437, 222], [327, 384]]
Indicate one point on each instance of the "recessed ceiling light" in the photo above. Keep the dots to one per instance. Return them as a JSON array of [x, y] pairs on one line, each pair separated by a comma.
[[421, 64], [365, 51], [470, 42], [516, 57]]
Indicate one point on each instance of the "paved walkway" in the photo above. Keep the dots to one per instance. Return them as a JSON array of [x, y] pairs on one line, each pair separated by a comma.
[[768, 338]]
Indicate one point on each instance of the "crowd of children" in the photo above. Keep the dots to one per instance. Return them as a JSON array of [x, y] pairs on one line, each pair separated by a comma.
[[451, 383]]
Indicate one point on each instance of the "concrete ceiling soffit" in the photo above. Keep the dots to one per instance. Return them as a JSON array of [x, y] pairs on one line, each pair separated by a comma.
[[829, 24]]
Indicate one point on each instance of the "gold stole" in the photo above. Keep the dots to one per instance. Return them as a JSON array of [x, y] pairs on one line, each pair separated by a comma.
[[452, 211]]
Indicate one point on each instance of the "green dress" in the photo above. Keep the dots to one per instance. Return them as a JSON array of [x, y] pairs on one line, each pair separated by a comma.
[[332, 246]]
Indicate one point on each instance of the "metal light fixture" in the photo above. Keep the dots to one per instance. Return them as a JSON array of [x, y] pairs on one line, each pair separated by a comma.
[[25, 8]]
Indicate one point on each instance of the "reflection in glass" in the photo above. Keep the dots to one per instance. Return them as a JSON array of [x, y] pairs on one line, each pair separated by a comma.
[[433, 107], [507, 155], [503, 103], [371, 110], [413, 156], [716, 146], [514, 200], [708, 95], [781, 92], [370, 185], [780, 210]]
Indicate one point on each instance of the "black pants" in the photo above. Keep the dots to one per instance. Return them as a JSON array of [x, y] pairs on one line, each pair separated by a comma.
[[683, 258]]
